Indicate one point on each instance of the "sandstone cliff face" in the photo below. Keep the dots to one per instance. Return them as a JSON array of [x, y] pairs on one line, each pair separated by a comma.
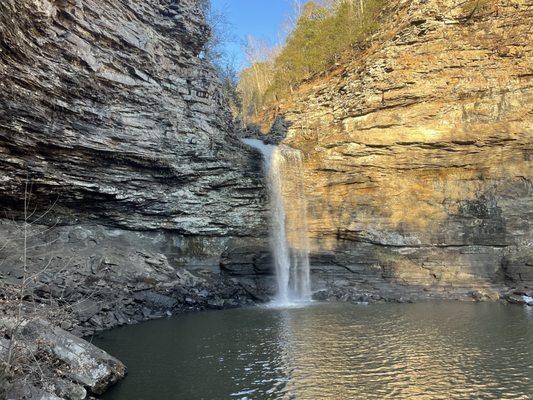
[[418, 151], [110, 111]]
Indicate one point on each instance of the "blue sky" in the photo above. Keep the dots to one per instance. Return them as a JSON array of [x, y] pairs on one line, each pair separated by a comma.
[[263, 19]]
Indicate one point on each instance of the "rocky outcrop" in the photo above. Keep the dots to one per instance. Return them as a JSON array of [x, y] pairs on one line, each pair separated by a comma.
[[64, 365], [114, 129], [117, 147], [110, 111], [49, 360], [418, 150]]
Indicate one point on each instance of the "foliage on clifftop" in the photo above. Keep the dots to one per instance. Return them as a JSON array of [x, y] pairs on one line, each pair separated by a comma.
[[322, 32]]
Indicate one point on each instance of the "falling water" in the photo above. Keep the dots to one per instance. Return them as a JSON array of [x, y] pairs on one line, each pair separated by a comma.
[[288, 232]]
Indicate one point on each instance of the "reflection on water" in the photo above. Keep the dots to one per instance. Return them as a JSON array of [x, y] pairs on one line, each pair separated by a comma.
[[385, 351]]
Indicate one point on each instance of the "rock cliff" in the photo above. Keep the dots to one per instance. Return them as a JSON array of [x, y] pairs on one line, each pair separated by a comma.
[[112, 113], [116, 138], [418, 150]]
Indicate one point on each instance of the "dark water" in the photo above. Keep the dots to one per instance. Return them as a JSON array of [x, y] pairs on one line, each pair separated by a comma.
[[385, 351]]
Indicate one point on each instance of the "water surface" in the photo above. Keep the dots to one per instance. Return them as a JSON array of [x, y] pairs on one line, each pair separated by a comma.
[[330, 351]]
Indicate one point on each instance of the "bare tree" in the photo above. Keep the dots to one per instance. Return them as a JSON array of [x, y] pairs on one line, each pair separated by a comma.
[[221, 34], [258, 51], [296, 8], [17, 297]]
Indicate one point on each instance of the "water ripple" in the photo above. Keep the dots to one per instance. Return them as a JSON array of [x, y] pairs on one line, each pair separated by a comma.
[[417, 351]]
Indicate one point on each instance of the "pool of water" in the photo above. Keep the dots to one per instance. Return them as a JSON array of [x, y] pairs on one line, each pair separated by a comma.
[[330, 351]]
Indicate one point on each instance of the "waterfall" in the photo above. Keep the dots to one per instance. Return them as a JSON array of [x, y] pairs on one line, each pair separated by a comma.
[[288, 223]]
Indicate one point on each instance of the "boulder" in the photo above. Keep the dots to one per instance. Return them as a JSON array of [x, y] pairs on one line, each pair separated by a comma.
[[485, 295], [21, 391], [77, 360]]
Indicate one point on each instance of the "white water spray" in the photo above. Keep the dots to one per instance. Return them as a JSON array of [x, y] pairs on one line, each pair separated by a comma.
[[288, 231]]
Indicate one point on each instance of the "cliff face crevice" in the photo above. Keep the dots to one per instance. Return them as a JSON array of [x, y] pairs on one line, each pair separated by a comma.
[[110, 111], [418, 149]]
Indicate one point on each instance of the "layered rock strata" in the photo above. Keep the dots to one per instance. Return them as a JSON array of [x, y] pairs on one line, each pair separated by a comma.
[[418, 151], [114, 129], [117, 148], [110, 111]]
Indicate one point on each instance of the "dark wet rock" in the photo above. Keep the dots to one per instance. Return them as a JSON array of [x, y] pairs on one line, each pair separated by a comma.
[[68, 390], [380, 291], [256, 292], [485, 295], [155, 300], [515, 299], [247, 261], [21, 391], [275, 135], [321, 295], [86, 309], [217, 303]]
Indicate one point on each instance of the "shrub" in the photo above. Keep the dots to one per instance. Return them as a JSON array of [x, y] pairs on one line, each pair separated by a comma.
[[321, 34]]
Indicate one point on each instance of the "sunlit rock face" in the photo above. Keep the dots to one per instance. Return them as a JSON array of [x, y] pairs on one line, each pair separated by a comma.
[[418, 150], [108, 107]]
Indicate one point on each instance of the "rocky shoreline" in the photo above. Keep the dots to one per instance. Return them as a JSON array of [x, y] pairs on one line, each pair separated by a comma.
[[58, 312], [397, 294], [52, 361]]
